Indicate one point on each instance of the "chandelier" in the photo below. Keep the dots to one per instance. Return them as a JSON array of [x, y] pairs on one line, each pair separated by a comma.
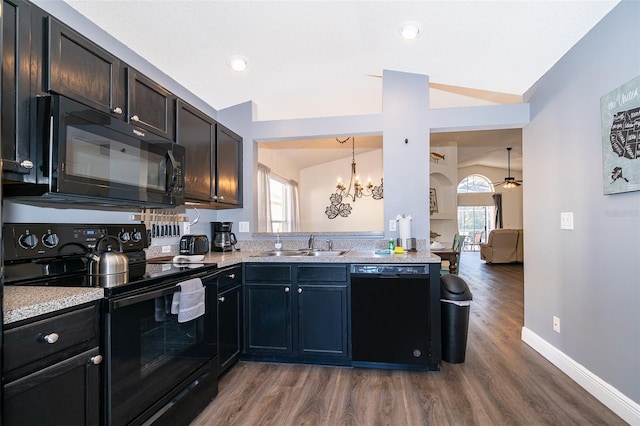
[[355, 190]]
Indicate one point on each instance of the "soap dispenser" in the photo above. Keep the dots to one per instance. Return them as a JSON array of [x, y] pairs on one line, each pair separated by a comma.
[[278, 244]]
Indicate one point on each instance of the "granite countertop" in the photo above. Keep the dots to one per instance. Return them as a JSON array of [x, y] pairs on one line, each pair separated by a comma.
[[22, 302], [224, 259]]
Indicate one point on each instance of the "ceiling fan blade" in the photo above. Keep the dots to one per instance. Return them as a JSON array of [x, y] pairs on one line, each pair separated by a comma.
[[515, 182], [487, 95]]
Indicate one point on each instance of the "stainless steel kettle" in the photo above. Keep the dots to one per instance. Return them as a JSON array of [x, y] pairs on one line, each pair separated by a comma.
[[109, 268]]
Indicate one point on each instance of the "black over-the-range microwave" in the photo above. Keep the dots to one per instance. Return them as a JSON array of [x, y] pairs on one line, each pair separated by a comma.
[[85, 155]]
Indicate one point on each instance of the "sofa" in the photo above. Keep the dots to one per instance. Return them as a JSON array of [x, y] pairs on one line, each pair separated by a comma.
[[503, 246]]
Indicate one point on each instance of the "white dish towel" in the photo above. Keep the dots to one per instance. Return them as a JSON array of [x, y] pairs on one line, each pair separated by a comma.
[[188, 303]]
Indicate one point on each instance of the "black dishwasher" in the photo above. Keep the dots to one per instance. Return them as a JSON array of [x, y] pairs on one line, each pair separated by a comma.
[[395, 316]]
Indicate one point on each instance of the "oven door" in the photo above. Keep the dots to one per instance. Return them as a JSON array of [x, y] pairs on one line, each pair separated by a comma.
[[150, 355], [92, 154]]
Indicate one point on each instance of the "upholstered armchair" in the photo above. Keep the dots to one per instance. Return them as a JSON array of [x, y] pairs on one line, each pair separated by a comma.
[[503, 246]]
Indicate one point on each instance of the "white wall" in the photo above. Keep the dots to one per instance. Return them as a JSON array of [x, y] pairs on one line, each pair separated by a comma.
[[405, 147], [279, 164], [319, 182], [590, 276]]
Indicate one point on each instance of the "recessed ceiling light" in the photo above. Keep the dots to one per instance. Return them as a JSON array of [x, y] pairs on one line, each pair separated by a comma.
[[238, 63], [410, 30]]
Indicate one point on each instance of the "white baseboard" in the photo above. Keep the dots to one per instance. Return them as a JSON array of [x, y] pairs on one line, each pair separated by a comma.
[[616, 401]]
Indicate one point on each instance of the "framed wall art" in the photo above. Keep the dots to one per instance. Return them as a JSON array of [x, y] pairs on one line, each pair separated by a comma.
[[620, 122], [433, 201]]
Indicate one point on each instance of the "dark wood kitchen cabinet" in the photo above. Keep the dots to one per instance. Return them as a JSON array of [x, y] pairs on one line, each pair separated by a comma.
[[322, 310], [229, 317], [196, 131], [18, 144], [79, 69], [213, 163], [268, 309], [52, 369], [304, 318], [151, 106], [228, 182]]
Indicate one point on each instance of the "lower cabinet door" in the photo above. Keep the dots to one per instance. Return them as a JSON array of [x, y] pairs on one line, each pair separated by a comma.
[[66, 393], [268, 313], [322, 321], [229, 323]]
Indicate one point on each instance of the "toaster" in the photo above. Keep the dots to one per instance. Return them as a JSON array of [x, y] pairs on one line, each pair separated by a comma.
[[194, 244]]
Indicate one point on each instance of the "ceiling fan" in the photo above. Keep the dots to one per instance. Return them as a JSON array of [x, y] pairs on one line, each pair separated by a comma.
[[509, 182]]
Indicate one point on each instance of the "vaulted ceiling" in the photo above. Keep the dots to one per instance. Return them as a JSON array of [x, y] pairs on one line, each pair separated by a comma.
[[323, 58]]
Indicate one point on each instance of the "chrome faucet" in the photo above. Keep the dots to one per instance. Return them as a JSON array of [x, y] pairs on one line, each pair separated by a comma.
[[330, 245], [311, 241]]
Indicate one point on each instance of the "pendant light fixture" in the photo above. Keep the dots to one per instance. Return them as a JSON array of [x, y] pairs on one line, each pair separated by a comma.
[[355, 190]]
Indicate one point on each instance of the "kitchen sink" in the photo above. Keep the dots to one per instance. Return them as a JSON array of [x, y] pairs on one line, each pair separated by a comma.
[[303, 253], [327, 252], [288, 253]]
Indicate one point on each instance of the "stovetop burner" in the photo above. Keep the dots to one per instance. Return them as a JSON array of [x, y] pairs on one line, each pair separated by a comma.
[[55, 255]]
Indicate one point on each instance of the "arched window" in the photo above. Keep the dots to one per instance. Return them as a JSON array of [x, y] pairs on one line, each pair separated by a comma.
[[475, 216], [475, 183]]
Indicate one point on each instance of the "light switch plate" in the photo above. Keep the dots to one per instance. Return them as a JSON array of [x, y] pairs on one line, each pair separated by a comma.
[[166, 249], [566, 220], [243, 226]]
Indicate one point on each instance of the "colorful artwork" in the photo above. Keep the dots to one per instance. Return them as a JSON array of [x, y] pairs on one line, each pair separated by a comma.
[[620, 112]]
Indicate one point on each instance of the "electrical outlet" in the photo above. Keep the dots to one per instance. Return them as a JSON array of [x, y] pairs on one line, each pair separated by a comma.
[[186, 228], [566, 220], [392, 224], [166, 249], [556, 324], [243, 226]]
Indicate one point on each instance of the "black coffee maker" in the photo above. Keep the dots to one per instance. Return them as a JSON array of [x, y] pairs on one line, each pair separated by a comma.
[[222, 237]]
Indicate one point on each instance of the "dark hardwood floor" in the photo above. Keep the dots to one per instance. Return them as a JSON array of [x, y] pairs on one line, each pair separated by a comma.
[[502, 382]]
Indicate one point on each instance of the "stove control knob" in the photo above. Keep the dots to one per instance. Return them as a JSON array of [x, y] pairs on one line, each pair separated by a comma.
[[28, 241], [50, 240], [136, 236], [124, 236]]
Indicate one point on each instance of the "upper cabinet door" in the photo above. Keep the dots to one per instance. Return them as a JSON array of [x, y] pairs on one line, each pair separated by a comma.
[[18, 148], [151, 106], [229, 167], [79, 69], [196, 131]]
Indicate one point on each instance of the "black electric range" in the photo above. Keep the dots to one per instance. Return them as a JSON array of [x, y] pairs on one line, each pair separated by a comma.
[[155, 364]]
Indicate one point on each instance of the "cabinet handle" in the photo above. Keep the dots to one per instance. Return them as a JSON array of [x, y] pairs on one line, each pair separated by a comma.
[[95, 360], [232, 276], [27, 164], [221, 299], [286, 289], [220, 198], [215, 198], [135, 118], [117, 110], [51, 338], [299, 290]]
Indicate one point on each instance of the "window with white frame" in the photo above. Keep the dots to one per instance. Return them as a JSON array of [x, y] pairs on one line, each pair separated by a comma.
[[283, 204], [476, 219]]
